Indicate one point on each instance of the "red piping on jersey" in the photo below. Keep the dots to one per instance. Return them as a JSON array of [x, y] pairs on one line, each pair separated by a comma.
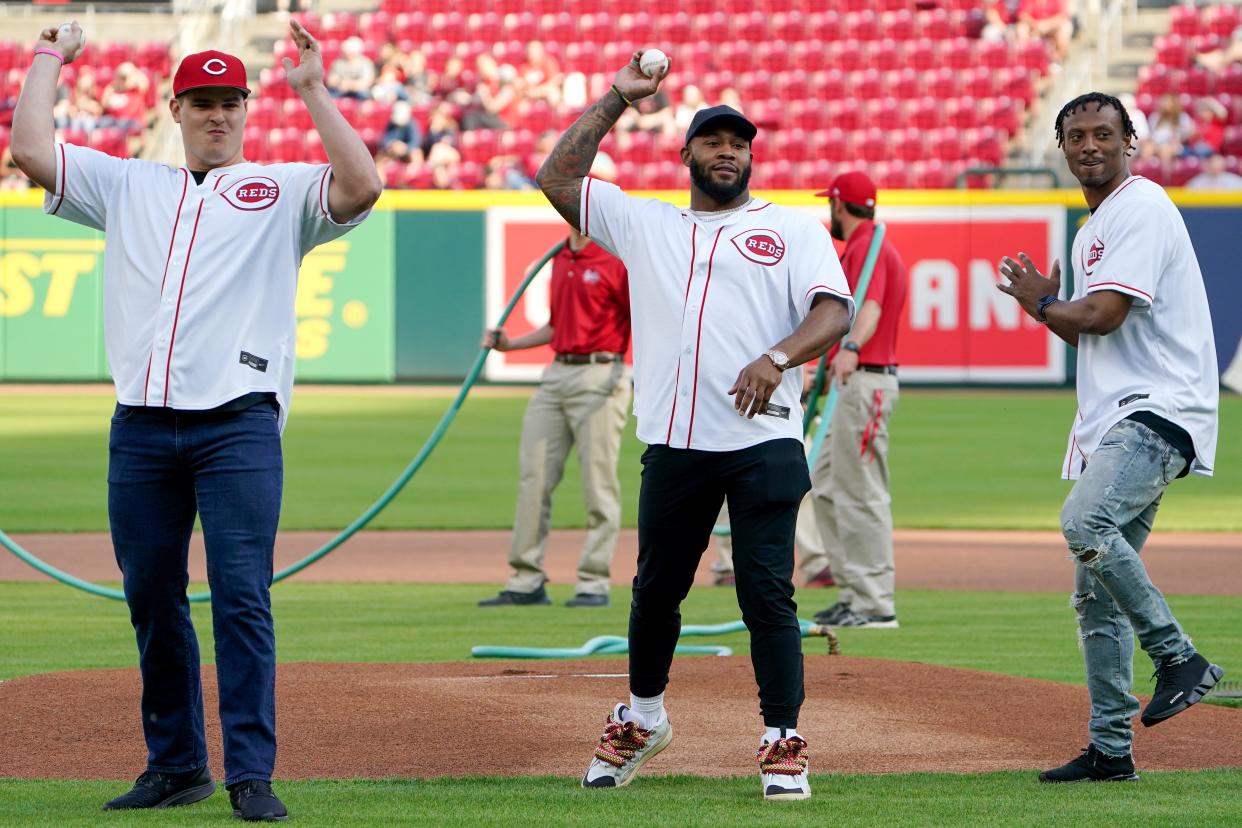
[[694, 229], [757, 209], [699, 338], [172, 341], [64, 179], [185, 183], [1120, 284], [586, 220], [1069, 463]]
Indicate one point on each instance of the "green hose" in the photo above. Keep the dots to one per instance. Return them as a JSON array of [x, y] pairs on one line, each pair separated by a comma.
[[860, 296], [618, 645], [362, 520]]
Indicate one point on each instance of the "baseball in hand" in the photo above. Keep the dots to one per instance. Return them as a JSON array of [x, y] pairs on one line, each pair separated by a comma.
[[65, 29], [653, 63]]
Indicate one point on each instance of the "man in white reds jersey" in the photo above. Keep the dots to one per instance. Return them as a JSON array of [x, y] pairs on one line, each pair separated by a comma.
[[727, 297], [200, 273], [1147, 400]]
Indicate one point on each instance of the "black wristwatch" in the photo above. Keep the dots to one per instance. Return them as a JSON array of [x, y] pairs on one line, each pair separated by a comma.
[[1042, 308], [851, 346]]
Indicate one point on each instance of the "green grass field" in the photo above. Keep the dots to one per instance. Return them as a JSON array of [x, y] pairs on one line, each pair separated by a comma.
[[962, 460], [44, 628]]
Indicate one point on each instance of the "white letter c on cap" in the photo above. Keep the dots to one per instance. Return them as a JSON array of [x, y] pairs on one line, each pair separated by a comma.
[[212, 70]]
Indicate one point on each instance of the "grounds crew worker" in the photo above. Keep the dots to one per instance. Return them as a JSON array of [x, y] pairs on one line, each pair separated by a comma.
[[200, 273], [850, 478], [583, 399]]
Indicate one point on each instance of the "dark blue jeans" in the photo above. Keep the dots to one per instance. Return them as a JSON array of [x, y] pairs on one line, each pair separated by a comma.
[[164, 468]]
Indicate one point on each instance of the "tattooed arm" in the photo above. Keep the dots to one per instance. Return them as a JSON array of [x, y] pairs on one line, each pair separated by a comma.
[[562, 172]]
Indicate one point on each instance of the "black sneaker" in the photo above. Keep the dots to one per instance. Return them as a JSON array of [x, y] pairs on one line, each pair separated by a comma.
[[254, 801], [830, 615], [508, 598], [586, 599], [1093, 766], [1178, 686], [849, 618], [165, 790]]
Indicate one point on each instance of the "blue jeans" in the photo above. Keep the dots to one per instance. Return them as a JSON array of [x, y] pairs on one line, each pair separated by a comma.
[[164, 467], [1106, 519]]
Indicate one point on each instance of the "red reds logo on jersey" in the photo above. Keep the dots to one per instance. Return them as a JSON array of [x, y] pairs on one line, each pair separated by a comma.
[[254, 193], [763, 247], [1095, 252]]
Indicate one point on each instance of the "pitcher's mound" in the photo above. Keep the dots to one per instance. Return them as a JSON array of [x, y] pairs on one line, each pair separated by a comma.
[[513, 718]]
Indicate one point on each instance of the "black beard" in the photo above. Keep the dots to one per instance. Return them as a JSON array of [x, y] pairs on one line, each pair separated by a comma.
[[719, 193], [837, 231]]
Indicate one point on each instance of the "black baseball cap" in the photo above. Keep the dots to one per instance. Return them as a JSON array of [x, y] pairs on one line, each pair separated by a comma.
[[716, 114]]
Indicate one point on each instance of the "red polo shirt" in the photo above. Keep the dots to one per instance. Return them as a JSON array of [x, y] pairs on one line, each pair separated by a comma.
[[887, 286], [590, 298]]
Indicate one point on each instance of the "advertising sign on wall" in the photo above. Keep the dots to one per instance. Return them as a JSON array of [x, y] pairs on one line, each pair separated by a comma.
[[956, 326]]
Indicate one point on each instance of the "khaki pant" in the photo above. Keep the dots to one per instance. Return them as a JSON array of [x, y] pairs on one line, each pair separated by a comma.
[[583, 405], [806, 540], [850, 494]]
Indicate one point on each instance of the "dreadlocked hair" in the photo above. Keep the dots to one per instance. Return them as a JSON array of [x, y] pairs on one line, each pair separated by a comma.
[[1101, 100]]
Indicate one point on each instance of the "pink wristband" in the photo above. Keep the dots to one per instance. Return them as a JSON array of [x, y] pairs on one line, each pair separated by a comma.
[[46, 51]]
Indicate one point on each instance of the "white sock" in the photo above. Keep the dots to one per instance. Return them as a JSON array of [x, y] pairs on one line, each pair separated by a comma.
[[774, 733], [649, 710]]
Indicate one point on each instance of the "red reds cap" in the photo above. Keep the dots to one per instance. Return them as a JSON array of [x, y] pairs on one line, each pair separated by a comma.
[[852, 188], [210, 68]]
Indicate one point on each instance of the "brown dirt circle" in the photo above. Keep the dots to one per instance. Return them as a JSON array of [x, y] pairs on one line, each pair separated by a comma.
[[411, 720]]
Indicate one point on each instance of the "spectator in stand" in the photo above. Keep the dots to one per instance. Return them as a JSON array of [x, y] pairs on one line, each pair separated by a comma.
[[1047, 19], [1001, 20], [650, 114], [543, 146], [729, 96], [451, 85], [1210, 119], [504, 172], [1142, 131], [419, 81], [691, 102], [401, 137], [541, 75], [389, 83], [1216, 60], [125, 99], [11, 178], [1215, 176], [79, 108], [442, 128], [352, 74], [497, 100], [1171, 129]]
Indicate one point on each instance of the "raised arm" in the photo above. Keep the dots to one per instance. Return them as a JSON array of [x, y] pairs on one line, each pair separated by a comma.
[[356, 185], [34, 136], [562, 172], [1098, 313]]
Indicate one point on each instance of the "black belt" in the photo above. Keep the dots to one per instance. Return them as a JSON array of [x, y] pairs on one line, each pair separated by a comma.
[[585, 359], [879, 369]]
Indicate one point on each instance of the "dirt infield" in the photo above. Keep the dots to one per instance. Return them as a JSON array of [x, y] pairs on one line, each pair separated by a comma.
[[1180, 563], [423, 720]]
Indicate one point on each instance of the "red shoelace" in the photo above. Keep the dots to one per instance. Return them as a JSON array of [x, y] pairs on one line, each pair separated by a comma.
[[784, 756], [621, 740]]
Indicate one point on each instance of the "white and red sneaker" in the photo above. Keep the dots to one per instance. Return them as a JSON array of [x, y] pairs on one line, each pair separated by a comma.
[[783, 767], [627, 745]]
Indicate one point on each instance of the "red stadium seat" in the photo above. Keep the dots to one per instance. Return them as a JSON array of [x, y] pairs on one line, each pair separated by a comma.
[[1184, 21]]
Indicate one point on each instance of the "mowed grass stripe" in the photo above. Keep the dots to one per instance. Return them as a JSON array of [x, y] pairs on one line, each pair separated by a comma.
[[45, 627], [960, 459], [996, 799]]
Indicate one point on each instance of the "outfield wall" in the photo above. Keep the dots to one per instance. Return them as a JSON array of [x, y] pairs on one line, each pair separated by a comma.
[[406, 296]]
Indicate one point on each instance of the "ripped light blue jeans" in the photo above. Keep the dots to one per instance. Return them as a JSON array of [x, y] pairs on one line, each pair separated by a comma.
[[1106, 520]]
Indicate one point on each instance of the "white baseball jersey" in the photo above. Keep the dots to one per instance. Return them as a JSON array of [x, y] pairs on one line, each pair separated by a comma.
[[709, 293], [199, 279], [1163, 358]]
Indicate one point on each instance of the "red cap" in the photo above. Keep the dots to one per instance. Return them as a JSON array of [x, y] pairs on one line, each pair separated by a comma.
[[210, 68], [852, 188]]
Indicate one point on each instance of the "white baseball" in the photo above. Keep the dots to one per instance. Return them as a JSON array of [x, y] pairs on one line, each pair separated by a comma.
[[653, 63], [66, 28]]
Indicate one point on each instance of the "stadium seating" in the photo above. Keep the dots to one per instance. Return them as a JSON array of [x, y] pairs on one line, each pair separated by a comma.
[[102, 60], [829, 83], [1193, 31]]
